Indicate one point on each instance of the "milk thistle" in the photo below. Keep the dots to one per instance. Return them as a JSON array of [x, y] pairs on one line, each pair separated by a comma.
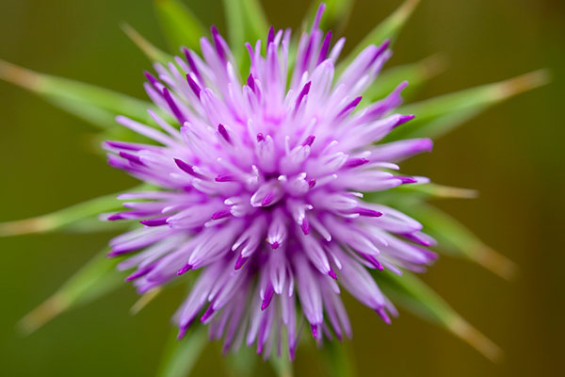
[[276, 187], [262, 189]]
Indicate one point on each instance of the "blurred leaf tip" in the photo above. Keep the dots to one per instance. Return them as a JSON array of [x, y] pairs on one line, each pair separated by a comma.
[[388, 29], [180, 26], [434, 65], [181, 356], [282, 366], [523, 83], [152, 52], [417, 297], [63, 219], [439, 115], [91, 103], [19, 76], [95, 279], [144, 300], [476, 339], [435, 190], [495, 262], [399, 17], [28, 226], [44, 313], [408, 7], [441, 191]]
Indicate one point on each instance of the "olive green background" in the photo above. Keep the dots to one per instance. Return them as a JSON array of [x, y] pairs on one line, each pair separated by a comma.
[[513, 154]]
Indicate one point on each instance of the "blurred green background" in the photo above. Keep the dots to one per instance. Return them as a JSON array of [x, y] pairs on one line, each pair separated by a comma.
[[513, 154]]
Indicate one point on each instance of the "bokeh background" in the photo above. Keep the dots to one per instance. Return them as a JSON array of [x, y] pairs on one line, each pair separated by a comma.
[[513, 154]]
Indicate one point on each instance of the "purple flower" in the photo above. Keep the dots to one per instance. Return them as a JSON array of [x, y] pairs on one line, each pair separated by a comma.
[[261, 189]]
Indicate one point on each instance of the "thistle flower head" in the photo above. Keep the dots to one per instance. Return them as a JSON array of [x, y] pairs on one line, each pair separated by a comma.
[[260, 187]]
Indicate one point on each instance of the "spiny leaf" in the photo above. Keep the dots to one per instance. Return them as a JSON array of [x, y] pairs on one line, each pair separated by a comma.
[[418, 192], [62, 219], [417, 74], [95, 225], [433, 190], [437, 116], [336, 14], [180, 26], [415, 296], [235, 20], [97, 105], [387, 29], [144, 300], [246, 22], [241, 363], [338, 361], [456, 239], [391, 26], [282, 366], [181, 355], [95, 116], [97, 278], [151, 52], [256, 21]]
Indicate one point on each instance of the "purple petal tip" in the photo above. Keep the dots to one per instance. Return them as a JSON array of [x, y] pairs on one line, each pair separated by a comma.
[[315, 330], [224, 133], [251, 82], [209, 313], [403, 119], [187, 267], [309, 140], [182, 333], [187, 168], [332, 274], [406, 180], [368, 212], [383, 314], [305, 227], [240, 262], [268, 199], [155, 222], [221, 214], [193, 85], [354, 162]]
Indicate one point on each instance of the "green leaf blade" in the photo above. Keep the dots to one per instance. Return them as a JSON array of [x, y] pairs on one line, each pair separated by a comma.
[[336, 14], [181, 355], [62, 219], [415, 296], [96, 279], [388, 29], [338, 361], [180, 26], [282, 366], [149, 50], [236, 24], [241, 363], [418, 192], [457, 240], [97, 105], [417, 74], [437, 116], [255, 20]]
